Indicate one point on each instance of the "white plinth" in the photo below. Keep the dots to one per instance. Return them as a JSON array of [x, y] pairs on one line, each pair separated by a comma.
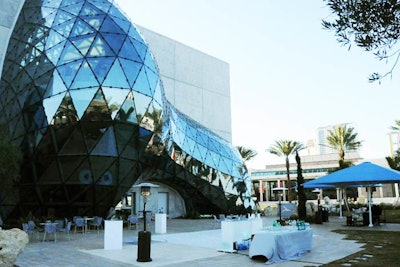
[[161, 223], [234, 231], [113, 234]]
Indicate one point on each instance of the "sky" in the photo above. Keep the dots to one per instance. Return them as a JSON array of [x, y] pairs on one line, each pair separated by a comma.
[[288, 76]]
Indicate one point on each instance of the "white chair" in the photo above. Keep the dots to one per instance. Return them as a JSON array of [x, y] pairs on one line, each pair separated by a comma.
[[132, 221], [97, 223], [80, 223], [50, 229], [66, 229]]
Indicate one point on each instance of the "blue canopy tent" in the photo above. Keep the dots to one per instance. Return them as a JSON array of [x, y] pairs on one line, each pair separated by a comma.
[[365, 174]]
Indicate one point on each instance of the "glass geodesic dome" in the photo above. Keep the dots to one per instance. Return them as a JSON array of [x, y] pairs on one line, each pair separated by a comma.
[[82, 96]]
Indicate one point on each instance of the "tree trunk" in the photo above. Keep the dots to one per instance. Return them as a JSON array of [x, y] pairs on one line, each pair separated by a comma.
[[301, 208], [289, 186]]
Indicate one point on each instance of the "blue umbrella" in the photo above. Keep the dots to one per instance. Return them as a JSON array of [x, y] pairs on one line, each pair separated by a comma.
[[364, 174]]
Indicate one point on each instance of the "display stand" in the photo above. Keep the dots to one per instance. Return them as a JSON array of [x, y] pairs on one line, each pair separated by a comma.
[[113, 234], [233, 232], [161, 223]]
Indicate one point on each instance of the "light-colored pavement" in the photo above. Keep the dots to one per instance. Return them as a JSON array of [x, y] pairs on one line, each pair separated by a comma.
[[186, 243]]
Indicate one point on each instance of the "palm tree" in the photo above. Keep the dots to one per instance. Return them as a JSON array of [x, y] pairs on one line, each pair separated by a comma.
[[246, 153], [343, 139], [397, 127], [285, 148]]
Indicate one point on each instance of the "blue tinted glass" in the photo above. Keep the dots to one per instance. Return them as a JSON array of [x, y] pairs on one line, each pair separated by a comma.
[[115, 41], [141, 103], [128, 51], [81, 99], [158, 93], [115, 98], [81, 28], [100, 49], [94, 21], [89, 9], [141, 49], [100, 66], [84, 78], [152, 79], [109, 26], [124, 24], [51, 105], [70, 53], [56, 86], [116, 77], [106, 145], [74, 8], [65, 28], [68, 71], [142, 85], [127, 111], [83, 43], [131, 69], [62, 17]]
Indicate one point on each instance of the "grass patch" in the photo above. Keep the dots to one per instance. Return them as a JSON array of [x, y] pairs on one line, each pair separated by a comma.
[[381, 248]]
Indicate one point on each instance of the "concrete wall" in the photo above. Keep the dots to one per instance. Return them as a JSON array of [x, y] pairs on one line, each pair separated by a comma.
[[196, 83]]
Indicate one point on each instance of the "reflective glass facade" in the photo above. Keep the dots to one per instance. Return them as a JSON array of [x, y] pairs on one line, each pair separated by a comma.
[[81, 95]]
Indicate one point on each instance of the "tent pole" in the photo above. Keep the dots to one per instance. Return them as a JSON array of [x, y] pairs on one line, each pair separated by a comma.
[[369, 206], [340, 203]]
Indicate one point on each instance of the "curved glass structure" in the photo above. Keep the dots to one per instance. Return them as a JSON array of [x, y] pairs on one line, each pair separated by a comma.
[[81, 95]]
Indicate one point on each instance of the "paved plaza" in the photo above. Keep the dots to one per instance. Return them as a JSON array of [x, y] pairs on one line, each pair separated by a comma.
[[186, 243]]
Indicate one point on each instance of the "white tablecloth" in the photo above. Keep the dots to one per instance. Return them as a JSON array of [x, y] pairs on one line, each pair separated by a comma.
[[281, 245]]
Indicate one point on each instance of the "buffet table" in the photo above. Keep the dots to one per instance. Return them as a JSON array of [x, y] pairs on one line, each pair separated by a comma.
[[281, 243]]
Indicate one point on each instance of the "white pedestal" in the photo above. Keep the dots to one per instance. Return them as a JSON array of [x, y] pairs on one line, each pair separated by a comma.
[[113, 234], [161, 223], [234, 231]]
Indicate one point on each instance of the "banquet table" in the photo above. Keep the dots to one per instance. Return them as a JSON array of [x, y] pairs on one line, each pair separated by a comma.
[[281, 243]]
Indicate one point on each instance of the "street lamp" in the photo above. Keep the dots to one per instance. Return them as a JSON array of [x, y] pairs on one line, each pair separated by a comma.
[[280, 193], [144, 237]]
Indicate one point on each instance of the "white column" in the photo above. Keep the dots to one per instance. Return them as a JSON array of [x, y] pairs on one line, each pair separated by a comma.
[[260, 189]]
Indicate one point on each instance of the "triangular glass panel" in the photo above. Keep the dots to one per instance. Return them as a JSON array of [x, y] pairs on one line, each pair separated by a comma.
[[55, 86], [131, 69], [62, 17], [128, 51], [123, 23], [51, 105], [75, 144], [222, 166], [65, 28], [97, 109], [116, 77], [188, 145], [141, 49], [106, 145], [48, 15], [115, 98], [82, 174], [73, 8], [83, 43], [94, 21], [196, 153], [53, 54], [127, 111], [159, 93], [142, 103], [133, 33], [53, 39], [150, 62], [66, 112], [51, 175], [103, 5], [153, 79], [81, 99], [88, 9], [100, 170], [70, 53], [101, 66], [109, 26], [100, 49], [142, 85], [81, 28], [84, 78], [68, 71], [115, 41]]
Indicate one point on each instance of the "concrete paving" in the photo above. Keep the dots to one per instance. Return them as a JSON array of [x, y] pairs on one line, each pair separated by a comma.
[[187, 242]]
